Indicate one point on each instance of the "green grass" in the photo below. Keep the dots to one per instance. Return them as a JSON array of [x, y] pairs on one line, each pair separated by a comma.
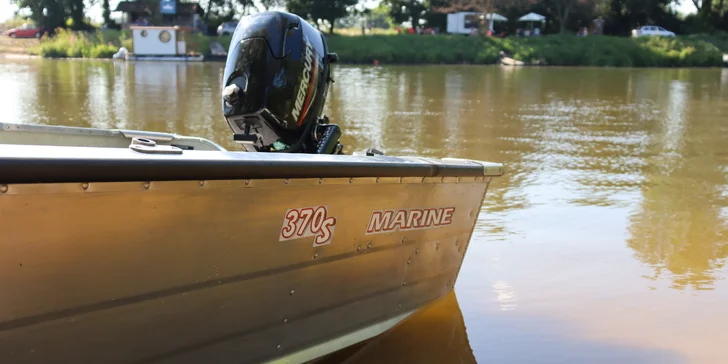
[[720, 40], [564, 50], [70, 44], [103, 44]]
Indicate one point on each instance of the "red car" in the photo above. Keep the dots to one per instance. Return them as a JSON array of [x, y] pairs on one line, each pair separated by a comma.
[[24, 31]]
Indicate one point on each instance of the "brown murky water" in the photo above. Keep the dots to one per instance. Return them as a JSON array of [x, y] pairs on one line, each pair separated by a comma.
[[605, 242]]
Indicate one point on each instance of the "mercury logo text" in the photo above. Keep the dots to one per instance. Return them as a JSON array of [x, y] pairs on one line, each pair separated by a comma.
[[301, 99]]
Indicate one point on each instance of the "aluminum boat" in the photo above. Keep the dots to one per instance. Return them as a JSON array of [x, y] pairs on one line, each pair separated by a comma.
[[123, 246], [141, 247]]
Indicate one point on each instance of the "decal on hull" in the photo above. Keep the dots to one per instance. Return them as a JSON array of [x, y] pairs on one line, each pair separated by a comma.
[[386, 221], [306, 222]]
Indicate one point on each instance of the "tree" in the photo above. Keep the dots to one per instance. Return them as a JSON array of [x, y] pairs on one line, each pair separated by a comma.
[[330, 10], [302, 8], [246, 4], [214, 8], [407, 10], [561, 9], [47, 14], [107, 12], [315, 10], [76, 10], [268, 4], [623, 15], [435, 18]]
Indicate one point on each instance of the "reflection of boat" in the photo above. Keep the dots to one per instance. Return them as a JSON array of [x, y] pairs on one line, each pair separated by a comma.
[[434, 334], [123, 246]]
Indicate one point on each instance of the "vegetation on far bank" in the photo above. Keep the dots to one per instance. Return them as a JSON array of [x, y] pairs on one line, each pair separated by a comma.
[[69, 44], [564, 50], [345, 21], [103, 44]]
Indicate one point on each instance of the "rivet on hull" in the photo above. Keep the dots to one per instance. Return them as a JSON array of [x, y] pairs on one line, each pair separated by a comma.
[[404, 283], [377, 180], [202, 183], [358, 247], [459, 248], [351, 180], [247, 182], [292, 292], [409, 261], [320, 181], [369, 246], [84, 186], [399, 305], [437, 246], [315, 256], [146, 185], [4, 188], [417, 251], [285, 181], [457, 242], [285, 321], [278, 347]]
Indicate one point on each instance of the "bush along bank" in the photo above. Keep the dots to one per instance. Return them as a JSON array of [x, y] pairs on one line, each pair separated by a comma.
[[69, 44], [558, 50], [103, 44]]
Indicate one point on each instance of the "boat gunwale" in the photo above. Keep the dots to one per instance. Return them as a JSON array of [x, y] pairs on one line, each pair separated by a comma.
[[21, 163]]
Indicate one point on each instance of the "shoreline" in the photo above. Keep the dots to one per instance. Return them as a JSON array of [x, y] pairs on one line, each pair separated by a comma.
[[13, 55], [4, 55], [693, 51]]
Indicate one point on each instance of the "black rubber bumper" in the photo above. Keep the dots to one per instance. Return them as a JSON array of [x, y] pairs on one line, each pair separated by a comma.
[[50, 164]]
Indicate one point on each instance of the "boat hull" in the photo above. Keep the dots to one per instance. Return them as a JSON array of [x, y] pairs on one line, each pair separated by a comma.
[[231, 270]]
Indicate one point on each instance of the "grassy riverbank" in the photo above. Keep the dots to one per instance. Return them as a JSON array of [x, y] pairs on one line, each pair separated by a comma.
[[103, 44], [67, 44], [565, 50], [562, 50]]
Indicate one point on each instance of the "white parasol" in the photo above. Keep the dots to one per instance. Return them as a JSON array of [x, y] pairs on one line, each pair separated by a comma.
[[493, 17], [532, 17]]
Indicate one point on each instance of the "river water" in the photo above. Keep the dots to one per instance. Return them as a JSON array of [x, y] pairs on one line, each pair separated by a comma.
[[605, 241]]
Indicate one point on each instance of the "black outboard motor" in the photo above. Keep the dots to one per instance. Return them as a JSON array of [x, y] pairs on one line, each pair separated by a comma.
[[275, 84]]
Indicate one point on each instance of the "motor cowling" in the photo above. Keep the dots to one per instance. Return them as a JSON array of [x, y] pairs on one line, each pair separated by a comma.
[[275, 83]]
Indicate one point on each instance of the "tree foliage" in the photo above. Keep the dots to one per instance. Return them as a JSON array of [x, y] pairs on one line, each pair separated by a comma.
[[106, 12], [48, 14], [246, 5], [321, 10], [620, 16], [562, 10], [269, 4], [407, 10]]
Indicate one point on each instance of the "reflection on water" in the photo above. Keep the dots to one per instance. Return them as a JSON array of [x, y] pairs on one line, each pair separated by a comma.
[[604, 242], [679, 228], [435, 334]]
